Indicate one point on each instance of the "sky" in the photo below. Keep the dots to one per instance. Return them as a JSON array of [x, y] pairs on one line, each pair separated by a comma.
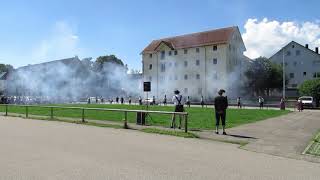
[[37, 31]]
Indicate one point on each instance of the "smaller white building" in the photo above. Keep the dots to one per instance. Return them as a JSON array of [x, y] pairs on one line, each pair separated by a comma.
[[301, 63]]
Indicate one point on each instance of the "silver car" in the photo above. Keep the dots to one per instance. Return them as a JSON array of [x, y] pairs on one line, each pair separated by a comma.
[[307, 101]]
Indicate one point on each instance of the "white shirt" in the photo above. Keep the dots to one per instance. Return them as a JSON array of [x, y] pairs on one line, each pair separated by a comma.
[[175, 101]]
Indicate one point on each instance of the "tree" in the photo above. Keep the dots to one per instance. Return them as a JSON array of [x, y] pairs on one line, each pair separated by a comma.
[[102, 60], [5, 68], [311, 88], [263, 76]]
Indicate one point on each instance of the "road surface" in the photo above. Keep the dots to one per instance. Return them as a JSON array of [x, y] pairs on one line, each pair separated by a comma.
[[44, 150]]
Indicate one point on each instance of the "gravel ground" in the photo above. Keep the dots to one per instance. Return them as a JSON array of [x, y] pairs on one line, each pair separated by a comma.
[[34, 149]]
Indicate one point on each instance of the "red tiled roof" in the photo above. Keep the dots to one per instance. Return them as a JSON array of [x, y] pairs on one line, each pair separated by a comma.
[[193, 40]]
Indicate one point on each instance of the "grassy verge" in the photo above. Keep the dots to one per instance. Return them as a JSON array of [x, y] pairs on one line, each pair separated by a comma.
[[199, 118], [314, 146], [170, 133]]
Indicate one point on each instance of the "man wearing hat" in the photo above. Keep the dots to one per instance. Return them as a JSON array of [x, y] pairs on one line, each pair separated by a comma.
[[220, 105], [178, 104]]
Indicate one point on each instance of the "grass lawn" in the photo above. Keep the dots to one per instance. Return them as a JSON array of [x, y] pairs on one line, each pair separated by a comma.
[[199, 118], [314, 149]]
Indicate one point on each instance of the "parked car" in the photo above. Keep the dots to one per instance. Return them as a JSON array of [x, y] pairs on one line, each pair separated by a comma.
[[307, 101]]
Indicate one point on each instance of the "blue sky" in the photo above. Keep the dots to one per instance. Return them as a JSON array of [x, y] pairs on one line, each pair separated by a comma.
[[38, 31]]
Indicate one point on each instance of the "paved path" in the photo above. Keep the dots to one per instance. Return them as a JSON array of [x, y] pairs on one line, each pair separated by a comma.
[[44, 150], [285, 136]]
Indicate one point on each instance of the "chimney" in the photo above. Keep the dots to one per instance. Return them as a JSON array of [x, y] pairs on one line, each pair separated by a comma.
[[307, 46], [317, 50]]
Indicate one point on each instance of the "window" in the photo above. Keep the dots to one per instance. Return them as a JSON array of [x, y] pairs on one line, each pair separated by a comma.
[[197, 50], [215, 48], [185, 63], [215, 61], [295, 63], [175, 77], [185, 77], [175, 64], [198, 76], [292, 46], [297, 52], [163, 54], [185, 51], [288, 53], [294, 85], [316, 75], [197, 62], [304, 73], [291, 75], [150, 55], [286, 64], [150, 78], [175, 52], [150, 66], [186, 90], [199, 90], [163, 68], [170, 53]]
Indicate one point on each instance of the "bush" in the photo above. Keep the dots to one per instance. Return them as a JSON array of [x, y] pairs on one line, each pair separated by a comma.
[[311, 88]]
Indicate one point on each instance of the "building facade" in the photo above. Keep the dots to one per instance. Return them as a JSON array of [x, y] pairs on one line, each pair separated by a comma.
[[301, 63], [197, 64]]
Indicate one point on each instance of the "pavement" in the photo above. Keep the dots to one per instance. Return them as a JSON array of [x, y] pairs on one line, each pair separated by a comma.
[[285, 136], [47, 150]]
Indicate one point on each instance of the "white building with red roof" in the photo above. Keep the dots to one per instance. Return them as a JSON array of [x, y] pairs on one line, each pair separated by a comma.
[[197, 64]]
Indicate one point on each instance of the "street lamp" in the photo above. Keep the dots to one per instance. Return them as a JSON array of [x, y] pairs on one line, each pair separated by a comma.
[[283, 77]]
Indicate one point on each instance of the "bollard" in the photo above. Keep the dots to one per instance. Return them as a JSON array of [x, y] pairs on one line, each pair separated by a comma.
[[51, 112], [125, 126], [6, 109], [83, 115], [27, 112], [186, 123]]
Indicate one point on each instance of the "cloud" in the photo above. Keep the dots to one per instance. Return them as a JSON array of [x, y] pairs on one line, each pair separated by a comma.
[[266, 37], [61, 42]]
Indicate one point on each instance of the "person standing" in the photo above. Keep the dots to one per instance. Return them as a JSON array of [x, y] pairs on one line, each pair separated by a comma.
[[153, 100], [282, 104], [188, 101], [221, 105], [202, 102], [117, 100], [178, 104], [165, 100], [261, 101], [140, 100], [239, 102], [122, 100], [129, 100]]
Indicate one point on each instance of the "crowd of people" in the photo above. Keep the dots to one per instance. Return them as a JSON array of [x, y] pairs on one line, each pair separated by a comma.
[[26, 100]]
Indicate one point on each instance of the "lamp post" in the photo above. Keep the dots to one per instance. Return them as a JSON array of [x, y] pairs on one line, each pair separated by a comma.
[[283, 77]]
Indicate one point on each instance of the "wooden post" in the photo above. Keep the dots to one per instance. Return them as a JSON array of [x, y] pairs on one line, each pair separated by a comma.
[[83, 115], [186, 123], [51, 112], [125, 120], [6, 109], [27, 112]]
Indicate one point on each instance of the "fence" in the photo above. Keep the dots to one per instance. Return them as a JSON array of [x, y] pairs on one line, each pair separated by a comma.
[[83, 110]]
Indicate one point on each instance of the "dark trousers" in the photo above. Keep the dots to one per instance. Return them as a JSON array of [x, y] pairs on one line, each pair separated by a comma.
[[222, 117]]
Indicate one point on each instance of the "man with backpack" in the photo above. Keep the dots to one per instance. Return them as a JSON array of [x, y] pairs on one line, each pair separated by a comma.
[[178, 104]]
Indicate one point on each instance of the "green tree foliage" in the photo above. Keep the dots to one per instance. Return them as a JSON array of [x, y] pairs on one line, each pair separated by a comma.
[[5, 68], [101, 61], [263, 76], [311, 88]]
